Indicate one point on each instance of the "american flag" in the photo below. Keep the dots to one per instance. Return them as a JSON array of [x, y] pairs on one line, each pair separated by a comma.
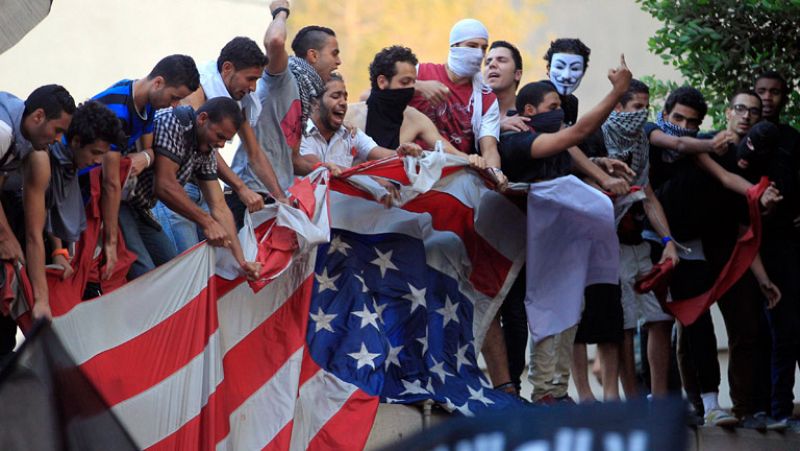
[[393, 308]]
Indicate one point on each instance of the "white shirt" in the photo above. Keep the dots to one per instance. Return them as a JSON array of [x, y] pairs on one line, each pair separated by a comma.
[[343, 149]]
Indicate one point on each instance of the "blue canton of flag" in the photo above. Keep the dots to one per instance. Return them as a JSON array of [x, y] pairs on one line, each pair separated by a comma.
[[382, 319]]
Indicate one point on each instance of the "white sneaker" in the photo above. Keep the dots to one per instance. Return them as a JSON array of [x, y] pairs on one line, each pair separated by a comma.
[[720, 418]]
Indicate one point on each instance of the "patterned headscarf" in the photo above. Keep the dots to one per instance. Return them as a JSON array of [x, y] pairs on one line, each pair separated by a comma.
[[670, 155], [309, 84], [625, 140]]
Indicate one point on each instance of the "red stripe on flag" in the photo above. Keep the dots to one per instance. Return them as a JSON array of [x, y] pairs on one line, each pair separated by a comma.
[[247, 367], [122, 372], [283, 440], [489, 266], [340, 432], [309, 368]]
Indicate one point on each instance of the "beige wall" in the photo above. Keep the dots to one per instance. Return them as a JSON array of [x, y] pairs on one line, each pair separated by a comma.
[[88, 44]]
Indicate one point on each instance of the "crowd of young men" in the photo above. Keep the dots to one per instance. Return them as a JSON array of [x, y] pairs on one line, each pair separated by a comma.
[[678, 196]]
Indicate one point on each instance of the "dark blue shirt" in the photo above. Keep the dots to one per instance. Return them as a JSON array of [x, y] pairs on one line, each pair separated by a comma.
[[119, 98]]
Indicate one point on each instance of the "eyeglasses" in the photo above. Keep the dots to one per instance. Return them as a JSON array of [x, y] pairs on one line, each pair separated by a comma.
[[741, 109]]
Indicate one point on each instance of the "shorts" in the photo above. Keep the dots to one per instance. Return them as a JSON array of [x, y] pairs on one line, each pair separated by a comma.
[[634, 262], [601, 321]]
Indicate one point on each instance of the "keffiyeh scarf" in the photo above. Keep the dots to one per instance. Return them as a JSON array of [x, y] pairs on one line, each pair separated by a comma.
[[625, 140], [309, 84]]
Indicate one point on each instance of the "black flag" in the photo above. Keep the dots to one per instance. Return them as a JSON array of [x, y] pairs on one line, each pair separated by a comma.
[[47, 403]]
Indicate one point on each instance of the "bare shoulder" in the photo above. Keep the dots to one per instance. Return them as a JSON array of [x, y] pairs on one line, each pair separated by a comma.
[[357, 114]]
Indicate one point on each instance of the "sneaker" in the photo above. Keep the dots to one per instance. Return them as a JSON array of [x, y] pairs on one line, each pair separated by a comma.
[[788, 423], [771, 423], [720, 418], [755, 422], [550, 400]]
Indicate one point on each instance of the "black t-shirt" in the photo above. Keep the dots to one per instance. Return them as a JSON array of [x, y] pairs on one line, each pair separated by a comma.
[[518, 164], [569, 103]]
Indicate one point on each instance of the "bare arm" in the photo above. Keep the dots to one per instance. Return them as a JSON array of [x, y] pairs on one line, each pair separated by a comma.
[[275, 40], [655, 214], [168, 190], [36, 178], [682, 144], [223, 216], [771, 292], [258, 161], [250, 198], [109, 204], [729, 180]]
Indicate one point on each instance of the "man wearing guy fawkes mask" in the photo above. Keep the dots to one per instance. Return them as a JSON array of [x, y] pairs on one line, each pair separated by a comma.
[[567, 60], [537, 156], [387, 117]]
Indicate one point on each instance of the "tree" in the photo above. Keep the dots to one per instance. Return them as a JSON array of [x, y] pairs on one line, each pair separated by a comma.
[[363, 27], [720, 46]]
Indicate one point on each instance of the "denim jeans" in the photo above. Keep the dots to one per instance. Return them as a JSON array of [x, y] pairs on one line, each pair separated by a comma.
[[144, 237], [183, 232]]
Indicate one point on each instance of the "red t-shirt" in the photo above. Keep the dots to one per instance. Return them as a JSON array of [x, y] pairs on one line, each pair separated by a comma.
[[453, 118]]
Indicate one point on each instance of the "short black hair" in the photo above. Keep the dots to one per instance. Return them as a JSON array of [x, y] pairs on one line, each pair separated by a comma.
[[94, 121], [53, 99], [220, 108], [743, 91], [515, 55], [533, 94], [310, 37], [636, 87], [773, 75], [177, 71], [385, 61], [568, 45], [243, 53], [691, 97]]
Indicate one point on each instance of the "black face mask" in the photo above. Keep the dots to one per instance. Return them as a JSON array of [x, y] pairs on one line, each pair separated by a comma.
[[547, 122], [385, 109]]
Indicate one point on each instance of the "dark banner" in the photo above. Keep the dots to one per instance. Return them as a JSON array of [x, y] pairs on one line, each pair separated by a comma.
[[633, 426], [46, 402]]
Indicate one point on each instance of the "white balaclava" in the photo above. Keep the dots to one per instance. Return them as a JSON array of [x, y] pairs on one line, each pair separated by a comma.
[[566, 72]]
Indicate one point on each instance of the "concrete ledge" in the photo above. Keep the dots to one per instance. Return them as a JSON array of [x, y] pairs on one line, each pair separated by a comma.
[[396, 422]]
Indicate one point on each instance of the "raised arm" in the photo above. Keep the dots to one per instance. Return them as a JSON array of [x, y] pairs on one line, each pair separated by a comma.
[[275, 39], [548, 144], [689, 145]]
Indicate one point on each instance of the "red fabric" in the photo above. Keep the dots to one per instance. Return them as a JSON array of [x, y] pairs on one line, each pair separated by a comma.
[[15, 286], [688, 310], [657, 281], [66, 294], [453, 119]]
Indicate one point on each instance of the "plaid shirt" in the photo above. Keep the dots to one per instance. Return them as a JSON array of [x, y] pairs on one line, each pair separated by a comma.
[[174, 137]]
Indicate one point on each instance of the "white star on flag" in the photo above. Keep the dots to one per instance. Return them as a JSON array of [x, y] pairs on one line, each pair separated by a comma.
[[417, 297], [367, 317], [325, 282], [322, 320], [461, 357], [337, 245], [413, 388], [379, 308], [429, 387], [384, 261], [449, 311], [393, 357], [464, 409], [485, 383], [438, 369], [424, 341], [477, 395], [448, 405], [364, 357], [364, 288]]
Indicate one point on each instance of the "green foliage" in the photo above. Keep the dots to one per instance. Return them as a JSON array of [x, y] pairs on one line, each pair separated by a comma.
[[720, 46]]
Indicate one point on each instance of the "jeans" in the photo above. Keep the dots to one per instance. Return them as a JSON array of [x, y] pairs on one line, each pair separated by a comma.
[[183, 232], [144, 237]]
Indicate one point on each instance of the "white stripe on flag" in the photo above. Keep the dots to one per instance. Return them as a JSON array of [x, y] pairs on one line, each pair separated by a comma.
[[264, 414], [321, 397], [136, 307]]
